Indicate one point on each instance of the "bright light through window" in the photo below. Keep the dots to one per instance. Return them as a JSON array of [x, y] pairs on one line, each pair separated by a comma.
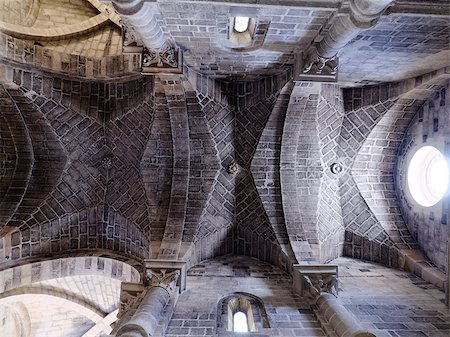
[[241, 23], [240, 322], [428, 176]]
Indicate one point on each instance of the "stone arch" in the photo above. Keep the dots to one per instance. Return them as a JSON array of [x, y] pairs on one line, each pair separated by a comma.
[[116, 238], [18, 169], [20, 276], [70, 31], [427, 225], [55, 298], [20, 12], [59, 283]]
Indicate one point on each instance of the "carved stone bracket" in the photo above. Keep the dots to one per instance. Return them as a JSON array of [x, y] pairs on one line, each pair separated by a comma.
[[319, 69], [131, 295], [167, 59], [131, 41], [313, 280]]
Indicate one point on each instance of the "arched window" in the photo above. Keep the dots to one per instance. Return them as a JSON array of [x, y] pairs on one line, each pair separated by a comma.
[[241, 24], [240, 323], [241, 312], [241, 31]]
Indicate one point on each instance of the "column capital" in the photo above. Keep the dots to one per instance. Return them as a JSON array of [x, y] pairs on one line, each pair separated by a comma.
[[167, 274], [313, 280]]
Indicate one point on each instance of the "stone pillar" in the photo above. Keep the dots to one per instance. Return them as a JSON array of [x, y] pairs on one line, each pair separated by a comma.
[[140, 16], [147, 308], [146, 318], [364, 14], [338, 318], [142, 34], [321, 58]]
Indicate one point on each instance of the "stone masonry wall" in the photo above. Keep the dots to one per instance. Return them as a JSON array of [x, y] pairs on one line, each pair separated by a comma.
[[428, 225], [375, 118], [197, 310], [389, 302]]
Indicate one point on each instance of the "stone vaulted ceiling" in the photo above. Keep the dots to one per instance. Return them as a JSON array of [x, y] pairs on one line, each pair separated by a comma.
[[231, 157], [230, 154]]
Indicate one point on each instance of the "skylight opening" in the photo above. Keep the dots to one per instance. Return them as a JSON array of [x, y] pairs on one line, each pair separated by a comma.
[[241, 24], [240, 323], [428, 176]]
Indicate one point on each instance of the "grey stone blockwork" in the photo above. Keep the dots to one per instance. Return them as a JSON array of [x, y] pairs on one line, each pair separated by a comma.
[[265, 168], [102, 100], [156, 166], [389, 302], [330, 222], [428, 225]]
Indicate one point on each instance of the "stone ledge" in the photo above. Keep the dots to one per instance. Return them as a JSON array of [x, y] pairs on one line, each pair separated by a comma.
[[417, 263]]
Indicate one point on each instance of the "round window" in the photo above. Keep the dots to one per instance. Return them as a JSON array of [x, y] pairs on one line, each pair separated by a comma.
[[428, 176]]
